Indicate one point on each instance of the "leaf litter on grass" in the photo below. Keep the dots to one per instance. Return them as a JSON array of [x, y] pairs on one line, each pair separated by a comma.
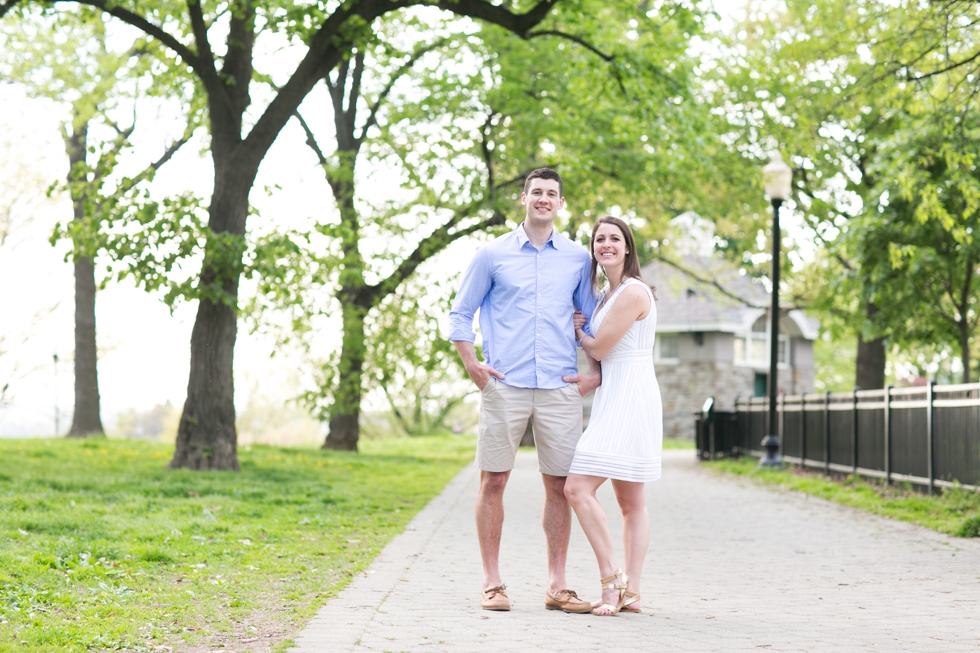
[[103, 548]]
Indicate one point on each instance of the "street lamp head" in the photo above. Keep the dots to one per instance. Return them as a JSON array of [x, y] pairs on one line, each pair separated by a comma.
[[777, 178]]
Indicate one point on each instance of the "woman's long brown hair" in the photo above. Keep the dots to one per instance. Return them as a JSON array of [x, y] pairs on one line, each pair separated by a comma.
[[631, 266]]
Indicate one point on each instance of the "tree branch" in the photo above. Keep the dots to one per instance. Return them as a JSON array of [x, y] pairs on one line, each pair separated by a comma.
[[519, 24], [720, 288], [488, 155], [430, 245], [374, 108], [325, 51], [236, 69], [394, 411], [208, 73], [708, 282], [311, 139], [355, 89], [608, 58], [951, 67], [141, 23], [444, 412]]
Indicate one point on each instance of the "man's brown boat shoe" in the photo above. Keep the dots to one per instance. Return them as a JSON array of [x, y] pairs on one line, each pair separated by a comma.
[[495, 598], [566, 600]]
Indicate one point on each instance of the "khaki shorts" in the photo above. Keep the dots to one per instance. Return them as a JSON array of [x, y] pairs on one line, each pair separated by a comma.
[[556, 418]]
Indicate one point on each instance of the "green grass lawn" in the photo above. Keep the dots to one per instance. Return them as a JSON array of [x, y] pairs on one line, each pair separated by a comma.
[[103, 548], [955, 512]]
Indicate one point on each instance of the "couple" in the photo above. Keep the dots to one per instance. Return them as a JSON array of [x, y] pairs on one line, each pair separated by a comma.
[[536, 292]]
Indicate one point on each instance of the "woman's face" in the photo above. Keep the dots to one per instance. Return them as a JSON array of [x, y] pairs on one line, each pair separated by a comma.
[[609, 246]]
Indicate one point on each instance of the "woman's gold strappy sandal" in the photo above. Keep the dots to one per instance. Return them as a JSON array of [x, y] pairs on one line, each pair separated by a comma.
[[630, 599], [610, 584]]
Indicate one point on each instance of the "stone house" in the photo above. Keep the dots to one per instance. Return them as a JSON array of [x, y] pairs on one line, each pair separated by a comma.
[[713, 340]]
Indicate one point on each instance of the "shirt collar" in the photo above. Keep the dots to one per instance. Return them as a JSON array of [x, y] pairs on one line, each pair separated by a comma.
[[522, 238]]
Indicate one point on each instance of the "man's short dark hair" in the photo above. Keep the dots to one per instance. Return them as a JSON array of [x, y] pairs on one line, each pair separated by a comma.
[[545, 173]]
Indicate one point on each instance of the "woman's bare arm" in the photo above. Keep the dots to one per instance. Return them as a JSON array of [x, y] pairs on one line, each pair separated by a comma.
[[632, 304]]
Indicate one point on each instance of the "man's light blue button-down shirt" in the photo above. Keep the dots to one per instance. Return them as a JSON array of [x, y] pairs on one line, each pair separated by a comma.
[[526, 298]]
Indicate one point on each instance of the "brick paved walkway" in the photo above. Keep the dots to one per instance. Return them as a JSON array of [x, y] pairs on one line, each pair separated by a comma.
[[732, 567]]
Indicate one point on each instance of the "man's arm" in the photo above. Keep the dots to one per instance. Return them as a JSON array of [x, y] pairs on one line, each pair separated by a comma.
[[479, 372], [473, 290]]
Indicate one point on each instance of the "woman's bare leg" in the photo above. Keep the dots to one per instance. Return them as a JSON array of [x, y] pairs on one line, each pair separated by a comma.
[[580, 491], [636, 530]]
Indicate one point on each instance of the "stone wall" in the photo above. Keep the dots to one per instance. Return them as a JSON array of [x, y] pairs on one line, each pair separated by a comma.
[[685, 386]]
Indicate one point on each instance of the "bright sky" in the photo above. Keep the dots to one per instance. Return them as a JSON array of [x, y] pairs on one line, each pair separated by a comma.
[[144, 350]]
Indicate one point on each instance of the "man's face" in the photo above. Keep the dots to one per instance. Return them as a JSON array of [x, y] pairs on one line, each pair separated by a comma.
[[542, 200]]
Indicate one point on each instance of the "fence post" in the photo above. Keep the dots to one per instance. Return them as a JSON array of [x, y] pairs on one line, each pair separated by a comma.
[[930, 433], [711, 437], [854, 428], [781, 407], [888, 435], [738, 431], [803, 431], [826, 432]]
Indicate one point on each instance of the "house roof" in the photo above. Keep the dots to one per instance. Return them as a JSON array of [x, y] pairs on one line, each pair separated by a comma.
[[703, 293]]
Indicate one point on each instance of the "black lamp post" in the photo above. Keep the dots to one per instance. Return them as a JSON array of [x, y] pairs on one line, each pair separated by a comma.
[[778, 182]]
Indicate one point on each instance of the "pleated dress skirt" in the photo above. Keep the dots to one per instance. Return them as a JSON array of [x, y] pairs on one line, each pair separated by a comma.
[[624, 439]]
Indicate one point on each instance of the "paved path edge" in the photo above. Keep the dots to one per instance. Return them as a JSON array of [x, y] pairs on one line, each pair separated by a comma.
[[346, 617]]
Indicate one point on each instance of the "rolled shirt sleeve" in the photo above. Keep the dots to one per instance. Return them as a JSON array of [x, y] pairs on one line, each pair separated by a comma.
[[473, 289]]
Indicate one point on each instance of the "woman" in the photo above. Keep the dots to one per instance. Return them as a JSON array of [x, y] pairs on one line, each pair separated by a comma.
[[624, 437]]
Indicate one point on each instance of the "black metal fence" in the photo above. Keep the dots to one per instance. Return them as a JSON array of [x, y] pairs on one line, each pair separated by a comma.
[[926, 435]]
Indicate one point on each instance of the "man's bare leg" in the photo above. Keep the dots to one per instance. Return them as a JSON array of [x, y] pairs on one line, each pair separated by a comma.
[[557, 522], [489, 523]]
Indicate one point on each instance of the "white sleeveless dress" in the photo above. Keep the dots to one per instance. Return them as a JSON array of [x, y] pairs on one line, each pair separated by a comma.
[[624, 438]]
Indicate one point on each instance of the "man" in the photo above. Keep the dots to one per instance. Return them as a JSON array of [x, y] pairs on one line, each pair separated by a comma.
[[526, 285]]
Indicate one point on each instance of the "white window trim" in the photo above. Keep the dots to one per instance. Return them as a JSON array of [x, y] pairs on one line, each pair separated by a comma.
[[656, 350], [749, 336]]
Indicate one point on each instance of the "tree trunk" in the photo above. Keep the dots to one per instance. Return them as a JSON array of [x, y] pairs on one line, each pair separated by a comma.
[[870, 357], [964, 327], [206, 437], [870, 364], [345, 416], [86, 420]]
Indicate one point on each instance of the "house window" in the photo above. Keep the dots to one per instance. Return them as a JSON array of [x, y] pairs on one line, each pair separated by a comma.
[[753, 347], [740, 349], [666, 347]]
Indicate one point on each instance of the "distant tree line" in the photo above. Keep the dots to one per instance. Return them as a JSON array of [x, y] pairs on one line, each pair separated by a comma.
[[451, 103]]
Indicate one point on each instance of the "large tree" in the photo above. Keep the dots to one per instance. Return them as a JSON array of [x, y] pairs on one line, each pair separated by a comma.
[[66, 58], [919, 244], [842, 87], [326, 34], [805, 81], [457, 121]]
